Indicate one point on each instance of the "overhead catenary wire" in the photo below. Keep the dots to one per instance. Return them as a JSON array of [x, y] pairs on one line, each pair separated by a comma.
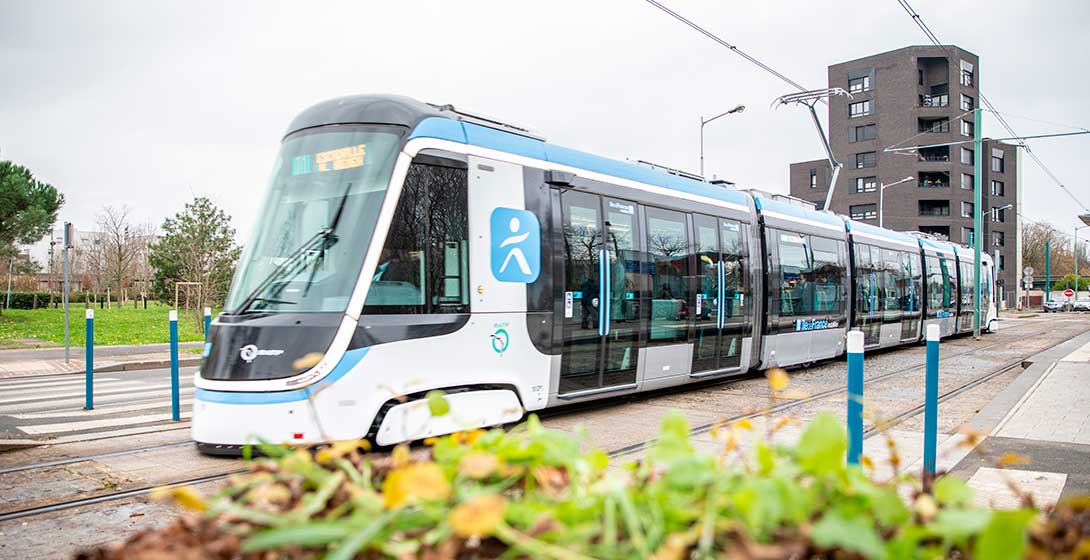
[[733, 48], [984, 100]]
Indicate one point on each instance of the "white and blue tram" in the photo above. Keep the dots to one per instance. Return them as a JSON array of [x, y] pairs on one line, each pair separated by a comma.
[[404, 247]]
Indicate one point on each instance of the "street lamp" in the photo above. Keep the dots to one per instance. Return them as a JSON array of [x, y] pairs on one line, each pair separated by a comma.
[[881, 195], [703, 122]]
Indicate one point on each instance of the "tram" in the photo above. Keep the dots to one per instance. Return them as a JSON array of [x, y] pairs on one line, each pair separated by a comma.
[[404, 247]]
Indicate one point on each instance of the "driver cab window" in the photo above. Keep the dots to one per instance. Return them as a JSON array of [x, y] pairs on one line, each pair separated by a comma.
[[424, 264]]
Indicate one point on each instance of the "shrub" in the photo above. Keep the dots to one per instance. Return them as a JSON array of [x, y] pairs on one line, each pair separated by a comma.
[[531, 492]]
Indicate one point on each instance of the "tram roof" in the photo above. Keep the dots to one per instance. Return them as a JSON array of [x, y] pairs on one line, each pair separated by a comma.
[[428, 121], [800, 213], [864, 229]]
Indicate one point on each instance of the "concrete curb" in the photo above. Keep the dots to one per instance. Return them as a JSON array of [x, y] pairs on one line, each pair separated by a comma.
[[113, 368]]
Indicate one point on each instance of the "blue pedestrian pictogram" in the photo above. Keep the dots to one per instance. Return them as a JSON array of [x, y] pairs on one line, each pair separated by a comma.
[[516, 245]]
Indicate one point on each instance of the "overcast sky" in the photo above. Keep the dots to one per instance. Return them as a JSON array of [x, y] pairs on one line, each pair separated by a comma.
[[151, 103]]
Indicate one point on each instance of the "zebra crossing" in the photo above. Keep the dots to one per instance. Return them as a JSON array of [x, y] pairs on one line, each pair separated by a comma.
[[49, 409]]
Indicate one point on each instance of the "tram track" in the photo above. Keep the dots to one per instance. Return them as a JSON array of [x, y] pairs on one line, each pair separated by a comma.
[[896, 419], [615, 453]]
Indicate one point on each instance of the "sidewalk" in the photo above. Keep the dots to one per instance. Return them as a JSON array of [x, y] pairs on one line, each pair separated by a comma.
[[50, 361], [1043, 417]]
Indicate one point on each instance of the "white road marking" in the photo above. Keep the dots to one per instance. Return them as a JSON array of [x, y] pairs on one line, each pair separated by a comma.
[[133, 390], [68, 427], [76, 380], [101, 399], [26, 442], [101, 411], [35, 392]]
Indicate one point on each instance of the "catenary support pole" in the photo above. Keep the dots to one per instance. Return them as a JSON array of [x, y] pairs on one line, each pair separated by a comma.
[[855, 396], [89, 363], [931, 405], [175, 405], [207, 321], [978, 216]]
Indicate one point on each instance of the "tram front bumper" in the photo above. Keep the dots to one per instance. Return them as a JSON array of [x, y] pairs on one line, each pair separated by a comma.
[[221, 428]]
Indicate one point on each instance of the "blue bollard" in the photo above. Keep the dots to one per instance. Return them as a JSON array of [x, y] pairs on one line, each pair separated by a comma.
[[855, 396], [175, 405], [207, 321], [89, 363], [931, 403]]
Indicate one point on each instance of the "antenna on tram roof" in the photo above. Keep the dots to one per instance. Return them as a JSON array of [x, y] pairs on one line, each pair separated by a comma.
[[490, 122]]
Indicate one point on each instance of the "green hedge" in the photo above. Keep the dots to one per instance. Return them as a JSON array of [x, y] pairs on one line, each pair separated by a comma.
[[36, 300]]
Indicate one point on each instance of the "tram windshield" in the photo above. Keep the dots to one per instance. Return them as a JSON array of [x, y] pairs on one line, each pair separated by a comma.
[[317, 220]]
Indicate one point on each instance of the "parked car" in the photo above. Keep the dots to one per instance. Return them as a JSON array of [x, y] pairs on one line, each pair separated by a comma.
[[1081, 304], [1056, 305]]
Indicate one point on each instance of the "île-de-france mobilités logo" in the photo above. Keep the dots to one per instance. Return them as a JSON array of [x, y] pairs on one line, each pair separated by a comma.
[[516, 245]]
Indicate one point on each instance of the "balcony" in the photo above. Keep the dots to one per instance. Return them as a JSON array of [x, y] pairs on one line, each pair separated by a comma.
[[942, 100], [935, 126], [934, 208], [933, 180], [939, 154]]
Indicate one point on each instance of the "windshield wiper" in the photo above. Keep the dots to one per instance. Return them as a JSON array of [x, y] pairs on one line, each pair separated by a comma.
[[323, 235]]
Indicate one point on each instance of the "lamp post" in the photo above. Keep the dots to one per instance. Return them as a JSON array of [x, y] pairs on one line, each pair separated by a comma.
[[703, 122], [882, 193]]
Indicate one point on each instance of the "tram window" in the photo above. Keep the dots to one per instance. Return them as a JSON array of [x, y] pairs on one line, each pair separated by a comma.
[[668, 249], [734, 256], [424, 266], [893, 280], [864, 280], [910, 293], [826, 274], [796, 287], [935, 285], [949, 283]]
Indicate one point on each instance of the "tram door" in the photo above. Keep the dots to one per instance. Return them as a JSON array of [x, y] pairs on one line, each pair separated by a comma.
[[601, 321], [720, 300]]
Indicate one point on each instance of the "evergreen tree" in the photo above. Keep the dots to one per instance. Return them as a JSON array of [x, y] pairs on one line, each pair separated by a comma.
[[196, 245]]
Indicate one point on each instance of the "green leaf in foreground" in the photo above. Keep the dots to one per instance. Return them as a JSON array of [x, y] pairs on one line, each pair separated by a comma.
[[315, 533], [955, 525], [673, 442], [951, 491], [855, 533], [1005, 536], [822, 445], [437, 403]]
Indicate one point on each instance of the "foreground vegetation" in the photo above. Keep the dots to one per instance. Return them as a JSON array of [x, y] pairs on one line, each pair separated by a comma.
[[532, 493], [119, 325]]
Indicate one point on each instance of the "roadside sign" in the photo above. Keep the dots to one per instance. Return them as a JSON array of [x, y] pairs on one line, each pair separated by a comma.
[[1069, 292], [1027, 281], [1028, 271]]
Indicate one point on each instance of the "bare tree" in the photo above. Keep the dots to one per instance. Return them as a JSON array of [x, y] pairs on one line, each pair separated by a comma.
[[120, 248]]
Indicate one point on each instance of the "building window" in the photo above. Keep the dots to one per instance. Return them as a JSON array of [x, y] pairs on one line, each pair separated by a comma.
[[934, 207], [935, 100], [966, 73], [813, 178], [966, 156], [936, 126], [919, 77], [859, 85], [967, 236], [966, 128], [998, 239], [997, 188], [860, 109], [866, 159], [966, 102], [863, 211], [860, 133], [999, 216], [967, 181], [866, 184], [1002, 263], [997, 162], [966, 209]]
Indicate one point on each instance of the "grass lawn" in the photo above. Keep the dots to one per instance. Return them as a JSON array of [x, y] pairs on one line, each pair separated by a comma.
[[21, 327]]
